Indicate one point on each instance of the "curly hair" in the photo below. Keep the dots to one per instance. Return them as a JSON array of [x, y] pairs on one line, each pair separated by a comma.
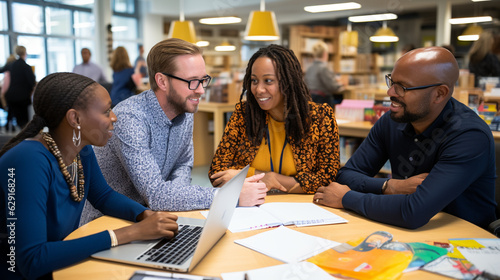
[[292, 86]]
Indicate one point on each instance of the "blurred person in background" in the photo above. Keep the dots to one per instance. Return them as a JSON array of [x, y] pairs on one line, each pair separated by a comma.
[[482, 61], [123, 84], [22, 82], [320, 80], [89, 69]]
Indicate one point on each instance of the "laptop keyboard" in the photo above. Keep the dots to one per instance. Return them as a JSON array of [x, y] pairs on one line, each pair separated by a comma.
[[176, 250]]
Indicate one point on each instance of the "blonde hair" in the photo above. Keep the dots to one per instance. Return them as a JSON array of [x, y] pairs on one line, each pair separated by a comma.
[[481, 47], [20, 51], [319, 49], [120, 59], [161, 58], [11, 58]]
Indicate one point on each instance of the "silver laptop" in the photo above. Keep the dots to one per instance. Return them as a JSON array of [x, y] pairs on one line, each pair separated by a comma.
[[196, 236]]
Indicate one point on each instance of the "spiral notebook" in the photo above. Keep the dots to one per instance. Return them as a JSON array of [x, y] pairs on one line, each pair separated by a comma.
[[280, 213]]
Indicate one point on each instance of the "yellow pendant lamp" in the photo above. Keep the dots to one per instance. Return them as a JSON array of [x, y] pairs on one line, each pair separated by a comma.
[[182, 29], [349, 41], [471, 33], [384, 35], [262, 25]]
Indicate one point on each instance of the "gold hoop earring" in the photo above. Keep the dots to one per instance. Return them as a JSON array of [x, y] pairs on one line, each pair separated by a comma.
[[77, 140]]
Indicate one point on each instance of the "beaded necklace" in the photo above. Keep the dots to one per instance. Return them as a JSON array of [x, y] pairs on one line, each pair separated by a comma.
[[76, 194]]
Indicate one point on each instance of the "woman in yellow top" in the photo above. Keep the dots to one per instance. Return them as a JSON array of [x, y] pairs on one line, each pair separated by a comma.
[[278, 130]]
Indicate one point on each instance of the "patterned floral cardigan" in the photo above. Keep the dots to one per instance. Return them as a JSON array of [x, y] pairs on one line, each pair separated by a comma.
[[316, 157]]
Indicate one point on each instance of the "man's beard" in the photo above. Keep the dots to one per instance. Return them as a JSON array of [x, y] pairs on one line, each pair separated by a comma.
[[407, 117], [178, 102]]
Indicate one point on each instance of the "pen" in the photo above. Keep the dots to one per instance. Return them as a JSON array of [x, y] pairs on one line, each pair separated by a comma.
[[246, 277], [489, 276]]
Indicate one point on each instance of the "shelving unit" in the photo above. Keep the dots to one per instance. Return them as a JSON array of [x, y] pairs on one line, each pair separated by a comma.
[[341, 60], [358, 130], [303, 38]]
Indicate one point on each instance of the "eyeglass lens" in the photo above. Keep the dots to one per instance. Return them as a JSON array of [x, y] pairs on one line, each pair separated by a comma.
[[397, 88], [194, 84]]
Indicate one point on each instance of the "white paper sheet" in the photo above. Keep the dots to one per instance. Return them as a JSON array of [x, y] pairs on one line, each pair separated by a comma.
[[287, 245]]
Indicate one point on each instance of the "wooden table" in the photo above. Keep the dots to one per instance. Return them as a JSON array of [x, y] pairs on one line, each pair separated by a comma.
[[226, 256]]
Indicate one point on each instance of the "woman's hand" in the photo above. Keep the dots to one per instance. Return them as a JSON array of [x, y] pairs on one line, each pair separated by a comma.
[[155, 224], [222, 177], [253, 192], [272, 182]]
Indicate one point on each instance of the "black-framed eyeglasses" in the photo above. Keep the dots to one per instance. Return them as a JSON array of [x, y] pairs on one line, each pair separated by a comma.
[[194, 83], [400, 89]]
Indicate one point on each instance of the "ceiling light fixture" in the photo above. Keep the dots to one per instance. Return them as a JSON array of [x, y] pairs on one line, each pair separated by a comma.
[[377, 17], [220, 20], [384, 35], [203, 43], [471, 33], [467, 20], [332, 7], [225, 47], [262, 25], [182, 29]]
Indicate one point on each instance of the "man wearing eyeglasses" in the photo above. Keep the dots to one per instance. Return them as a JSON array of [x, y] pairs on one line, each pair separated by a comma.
[[442, 154], [150, 155]]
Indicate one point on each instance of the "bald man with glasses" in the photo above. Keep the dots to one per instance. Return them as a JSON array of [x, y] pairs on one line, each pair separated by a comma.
[[442, 154]]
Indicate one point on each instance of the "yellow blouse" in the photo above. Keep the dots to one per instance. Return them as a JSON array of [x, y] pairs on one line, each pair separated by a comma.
[[262, 159]]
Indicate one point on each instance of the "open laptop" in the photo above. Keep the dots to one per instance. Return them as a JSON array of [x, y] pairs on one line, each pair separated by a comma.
[[196, 236]]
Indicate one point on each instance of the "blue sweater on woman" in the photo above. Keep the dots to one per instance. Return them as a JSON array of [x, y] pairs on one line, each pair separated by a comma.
[[37, 212]]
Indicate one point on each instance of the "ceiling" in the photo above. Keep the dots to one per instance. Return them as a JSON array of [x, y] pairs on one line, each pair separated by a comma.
[[292, 11]]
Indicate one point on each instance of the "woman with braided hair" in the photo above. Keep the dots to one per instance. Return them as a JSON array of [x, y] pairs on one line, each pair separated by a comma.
[[46, 177], [278, 130]]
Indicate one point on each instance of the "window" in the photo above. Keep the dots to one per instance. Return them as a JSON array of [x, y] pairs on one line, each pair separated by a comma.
[[84, 4], [125, 27], [3, 16], [58, 21], [124, 6], [84, 24], [27, 18], [55, 31], [60, 55], [4, 50]]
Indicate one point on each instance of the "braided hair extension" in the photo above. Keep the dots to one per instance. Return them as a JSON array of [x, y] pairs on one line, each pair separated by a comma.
[[54, 96], [292, 86]]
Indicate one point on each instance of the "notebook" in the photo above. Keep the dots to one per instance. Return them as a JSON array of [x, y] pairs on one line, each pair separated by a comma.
[[196, 236], [280, 213]]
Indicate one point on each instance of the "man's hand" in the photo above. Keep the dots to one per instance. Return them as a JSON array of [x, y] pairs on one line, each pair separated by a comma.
[[331, 195], [253, 191], [223, 177], [405, 186]]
